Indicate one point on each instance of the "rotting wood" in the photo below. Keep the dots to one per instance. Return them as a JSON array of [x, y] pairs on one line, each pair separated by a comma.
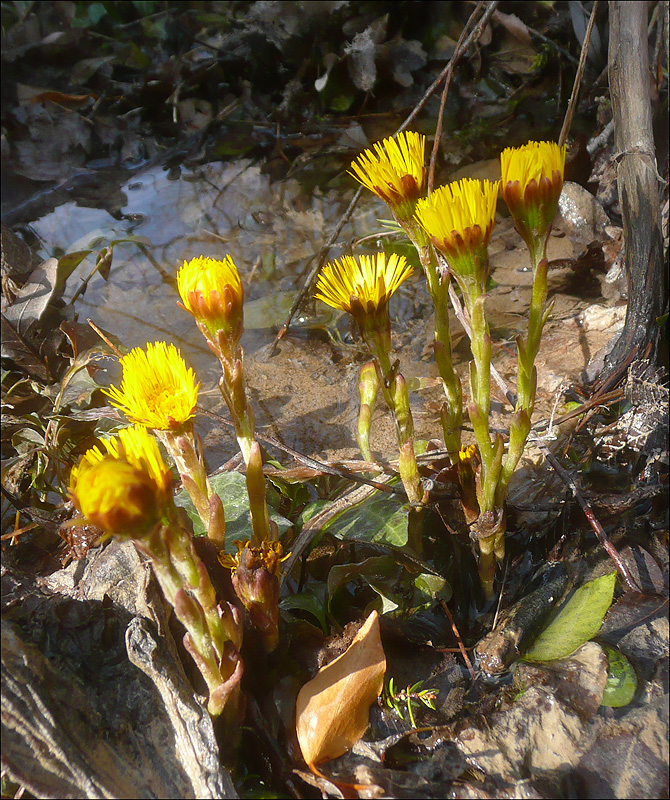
[[638, 185]]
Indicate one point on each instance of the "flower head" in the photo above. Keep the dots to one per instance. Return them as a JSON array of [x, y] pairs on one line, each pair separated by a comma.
[[255, 577], [211, 290], [366, 282], [459, 219], [466, 454], [394, 171], [268, 554], [124, 490], [363, 287], [157, 389], [532, 180]]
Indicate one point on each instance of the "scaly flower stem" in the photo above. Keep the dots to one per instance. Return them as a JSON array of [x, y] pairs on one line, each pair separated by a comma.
[[181, 446], [260, 520], [527, 373], [526, 383], [479, 409], [234, 393], [186, 585], [452, 410], [191, 468], [221, 622], [233, 389], [394, 389], [438, 288], [490, 526]]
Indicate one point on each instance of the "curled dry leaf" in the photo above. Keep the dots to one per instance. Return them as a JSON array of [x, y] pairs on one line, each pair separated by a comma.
[[332, 709]]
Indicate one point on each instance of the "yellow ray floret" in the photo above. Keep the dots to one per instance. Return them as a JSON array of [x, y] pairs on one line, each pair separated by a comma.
[[157, 389], [370, 279], [533, 161], [125, 489], [394, 169], [453, 213]]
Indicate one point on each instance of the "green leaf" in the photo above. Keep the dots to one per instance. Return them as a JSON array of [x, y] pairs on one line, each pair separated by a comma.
[[621, 679], [433, 585], [380, 518], [306, 601], [311, 510], [232, 489], [96, 11], [578, 621], [69, 262], [385, 603], [376, 569]]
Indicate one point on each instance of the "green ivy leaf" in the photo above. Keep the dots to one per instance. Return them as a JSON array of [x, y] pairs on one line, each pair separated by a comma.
[[578, 621], [306, 601], [381, 519], [433, 586], [621, 679], [232, 489]]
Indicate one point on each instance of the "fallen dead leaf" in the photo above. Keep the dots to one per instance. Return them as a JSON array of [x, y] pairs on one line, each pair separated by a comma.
[[332, 709]]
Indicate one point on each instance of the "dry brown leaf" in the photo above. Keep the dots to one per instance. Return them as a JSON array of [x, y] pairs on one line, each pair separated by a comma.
[[332, 709], [514, 25]]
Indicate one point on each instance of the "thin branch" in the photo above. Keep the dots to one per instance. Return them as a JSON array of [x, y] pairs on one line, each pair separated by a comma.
[[461, 647], [320, 261], [472, 38], [445, 91], [568, 480], [567, 122]]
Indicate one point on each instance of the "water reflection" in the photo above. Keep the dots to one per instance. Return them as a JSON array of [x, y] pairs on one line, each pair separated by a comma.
[[270, 230]]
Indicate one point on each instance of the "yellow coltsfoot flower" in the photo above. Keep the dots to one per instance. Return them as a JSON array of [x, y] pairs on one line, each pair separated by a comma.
[[125, 489], [211, 290], [532, 181], [362, 286], [157, 389], [459, 220], [394, 171]]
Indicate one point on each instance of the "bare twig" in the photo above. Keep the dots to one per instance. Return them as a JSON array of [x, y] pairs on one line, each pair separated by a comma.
[[567, 55], [445, 91], [567, 122], [461, 647], [568, 480], [472, 38], [319, 260]]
